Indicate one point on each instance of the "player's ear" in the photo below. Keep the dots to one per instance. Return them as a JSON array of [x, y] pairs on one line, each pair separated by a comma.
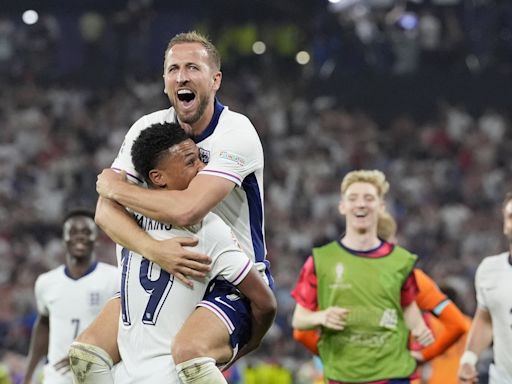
[[157, 178], [341, 207], [217, 80]]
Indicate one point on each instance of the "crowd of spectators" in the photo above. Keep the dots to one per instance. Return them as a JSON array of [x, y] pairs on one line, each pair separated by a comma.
[[448, 174]]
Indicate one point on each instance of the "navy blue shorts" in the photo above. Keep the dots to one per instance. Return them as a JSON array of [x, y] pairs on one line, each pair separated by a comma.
[[225, 301]]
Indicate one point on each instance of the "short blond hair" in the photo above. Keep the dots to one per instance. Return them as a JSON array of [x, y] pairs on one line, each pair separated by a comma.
[[374, 177], [196, 37], [386, 226]]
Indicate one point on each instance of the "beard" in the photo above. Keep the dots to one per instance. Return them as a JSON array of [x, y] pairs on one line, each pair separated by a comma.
[[191, 119]]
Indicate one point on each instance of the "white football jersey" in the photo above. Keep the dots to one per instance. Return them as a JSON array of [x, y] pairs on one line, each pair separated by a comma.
[[71, 306], [231, 148], [493, 283], [155, 304]]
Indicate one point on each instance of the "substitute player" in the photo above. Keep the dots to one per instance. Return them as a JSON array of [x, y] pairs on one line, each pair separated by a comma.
[[68, 298], [430, 300], [361, 291], [493, 316]]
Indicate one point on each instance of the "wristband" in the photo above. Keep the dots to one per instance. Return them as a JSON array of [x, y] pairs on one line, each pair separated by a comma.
[[469, 357]]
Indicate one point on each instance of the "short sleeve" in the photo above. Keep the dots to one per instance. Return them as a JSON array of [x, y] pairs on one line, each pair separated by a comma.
[[232, 265], [305, 291], [480, 295], [42, 306], [409, 290], [237, 152]]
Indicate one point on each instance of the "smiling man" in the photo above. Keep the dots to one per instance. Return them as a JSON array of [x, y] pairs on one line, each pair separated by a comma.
[[68, 298], [359, 291]]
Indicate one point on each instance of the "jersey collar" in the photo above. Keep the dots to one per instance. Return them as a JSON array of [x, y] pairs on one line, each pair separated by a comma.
[[89, 270], [213, 123]]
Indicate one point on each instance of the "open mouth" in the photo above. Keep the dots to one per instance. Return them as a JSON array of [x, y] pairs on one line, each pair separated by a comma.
[[186, 96]]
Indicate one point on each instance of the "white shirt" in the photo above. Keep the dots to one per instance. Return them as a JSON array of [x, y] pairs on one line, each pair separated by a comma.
[[232, 150], [155, 304], [71, 306], [493, 283]]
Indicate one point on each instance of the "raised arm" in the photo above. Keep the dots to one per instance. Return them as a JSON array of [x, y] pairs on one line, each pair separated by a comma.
[[38, 346], [180, 208]]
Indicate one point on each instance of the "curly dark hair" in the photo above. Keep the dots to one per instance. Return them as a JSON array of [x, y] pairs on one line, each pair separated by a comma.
[[152, 143]]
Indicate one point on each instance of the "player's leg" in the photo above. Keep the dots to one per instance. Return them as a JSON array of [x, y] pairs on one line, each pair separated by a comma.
[[202, 340], [211, 336], [94, 352]]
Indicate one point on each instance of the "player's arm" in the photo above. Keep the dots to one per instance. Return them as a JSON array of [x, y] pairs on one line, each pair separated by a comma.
[[309, 338], [333, 318], [454, 326], [431, 299], [479, 338], [180, 208], [169, 254], [38, 345], [263, 308], [414, 321]]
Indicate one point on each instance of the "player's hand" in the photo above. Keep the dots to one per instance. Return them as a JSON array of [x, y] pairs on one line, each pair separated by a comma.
[[423, 335], [62, 366], [417, 356], [183, 263], [334, 318], [468, 374], [107, 182]]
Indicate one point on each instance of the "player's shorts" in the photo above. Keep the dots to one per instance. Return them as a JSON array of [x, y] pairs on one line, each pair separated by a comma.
[[227, 303], [268, 273]]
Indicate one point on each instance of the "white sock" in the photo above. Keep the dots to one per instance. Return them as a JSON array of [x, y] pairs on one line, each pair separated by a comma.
[[90, 364], [201, 370]]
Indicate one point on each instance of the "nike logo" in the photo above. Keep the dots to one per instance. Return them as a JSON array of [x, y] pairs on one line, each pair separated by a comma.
[[219, 300]]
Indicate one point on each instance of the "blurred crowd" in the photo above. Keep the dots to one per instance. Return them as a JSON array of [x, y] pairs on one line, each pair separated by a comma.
[[448, 173]]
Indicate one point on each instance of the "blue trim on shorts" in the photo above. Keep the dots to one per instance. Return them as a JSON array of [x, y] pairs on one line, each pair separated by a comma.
[[225, 297]]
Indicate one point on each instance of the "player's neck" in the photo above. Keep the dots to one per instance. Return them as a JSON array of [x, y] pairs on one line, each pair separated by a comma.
[[197, 128], [78, 267], [360, 241]]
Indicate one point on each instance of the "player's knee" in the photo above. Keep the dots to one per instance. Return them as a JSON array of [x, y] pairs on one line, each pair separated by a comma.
[[90, 364], [183, 350], [109, 345], [86, 337], [200, 370]]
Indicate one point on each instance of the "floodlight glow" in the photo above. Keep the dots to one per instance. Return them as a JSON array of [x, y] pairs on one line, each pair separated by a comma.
[[30, 17], [302, 57], [259, 47]]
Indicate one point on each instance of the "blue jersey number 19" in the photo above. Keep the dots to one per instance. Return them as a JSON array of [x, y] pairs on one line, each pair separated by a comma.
[[157, 289]]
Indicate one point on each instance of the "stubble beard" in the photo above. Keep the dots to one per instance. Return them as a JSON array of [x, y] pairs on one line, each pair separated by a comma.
[[203, 104]]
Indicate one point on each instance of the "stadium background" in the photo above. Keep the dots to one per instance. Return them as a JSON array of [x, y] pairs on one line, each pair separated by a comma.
[[418, 89]]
